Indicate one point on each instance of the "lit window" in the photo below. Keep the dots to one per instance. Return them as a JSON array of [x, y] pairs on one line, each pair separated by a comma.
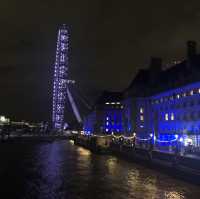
[[141, 126], [199, 90], [191, 92], [107, 103], [172, 116], [118, 103], [141, 117], [106, 130], [113, 103], [184, 94], [107, 123], [107, 118], [141, 110], [166, 117], [122, 107], [178, 96]]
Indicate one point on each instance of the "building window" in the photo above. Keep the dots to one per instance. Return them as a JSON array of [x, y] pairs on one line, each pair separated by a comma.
[[178, 96], [141, 118], [166, 116], [141, 110], [172, 116], [199, 90], [191, 92]]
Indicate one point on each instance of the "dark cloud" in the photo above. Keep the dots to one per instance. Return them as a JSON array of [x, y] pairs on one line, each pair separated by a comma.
[[110, 40]]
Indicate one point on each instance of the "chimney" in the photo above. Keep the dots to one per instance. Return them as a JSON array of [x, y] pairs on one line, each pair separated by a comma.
[[156, 64], [191, 49]]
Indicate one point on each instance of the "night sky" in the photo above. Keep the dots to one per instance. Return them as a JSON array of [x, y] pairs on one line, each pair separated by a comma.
[[110, 40]]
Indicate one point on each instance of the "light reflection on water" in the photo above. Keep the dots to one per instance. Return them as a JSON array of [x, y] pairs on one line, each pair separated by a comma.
[[61, 170]]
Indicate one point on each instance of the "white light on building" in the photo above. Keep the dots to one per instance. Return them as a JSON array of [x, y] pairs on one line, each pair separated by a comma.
[[141, 110], [166, 117], [172, 116]]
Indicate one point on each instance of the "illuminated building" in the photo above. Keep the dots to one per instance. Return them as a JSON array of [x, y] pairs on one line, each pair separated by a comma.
[[163, 104], [107, 116], [167, 102], [177, 112]]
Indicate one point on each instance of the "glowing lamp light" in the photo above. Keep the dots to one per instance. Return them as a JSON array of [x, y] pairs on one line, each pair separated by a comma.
[[154, 137], [2, 119], [134, 134], [176, 136], [181, 139], [151, 135]]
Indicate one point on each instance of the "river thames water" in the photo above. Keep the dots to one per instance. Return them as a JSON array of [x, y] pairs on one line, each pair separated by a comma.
[[61, 170]]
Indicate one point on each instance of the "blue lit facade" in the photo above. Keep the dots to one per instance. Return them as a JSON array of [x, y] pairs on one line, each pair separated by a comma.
[[112, 117], [107, 116], [129, 115], [161, 104], [89, 123], [177, 112], [143, 121]]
